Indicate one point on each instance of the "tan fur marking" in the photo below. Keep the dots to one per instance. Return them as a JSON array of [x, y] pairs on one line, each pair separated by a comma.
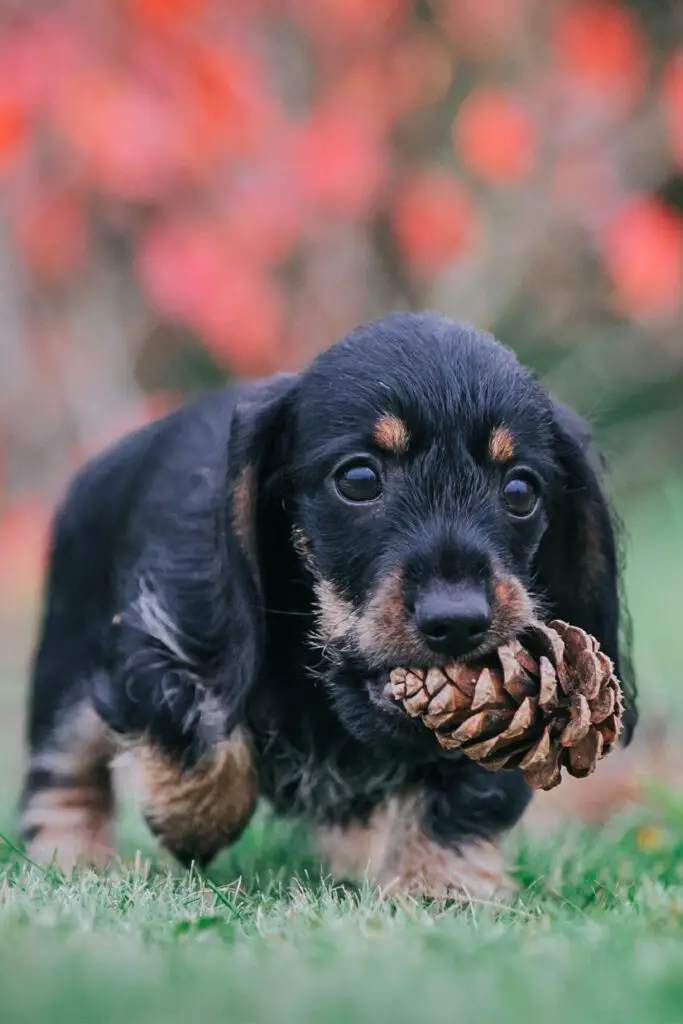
[[513, 609], [243, 512], [380, 631], [501, 445], [351, 852], [384, 631], [392, 434], [74, 827], [336, 617], [203, 808], [73, 823], [394, 852]]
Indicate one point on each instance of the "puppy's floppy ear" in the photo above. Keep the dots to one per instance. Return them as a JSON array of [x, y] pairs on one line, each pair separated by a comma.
[[577, 564], [257, 453]]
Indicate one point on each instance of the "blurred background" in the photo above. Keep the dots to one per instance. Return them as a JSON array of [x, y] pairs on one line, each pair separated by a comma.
[[197, 190]]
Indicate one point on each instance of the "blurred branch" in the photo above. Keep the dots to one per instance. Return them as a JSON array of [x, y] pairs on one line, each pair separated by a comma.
[[13, 331]]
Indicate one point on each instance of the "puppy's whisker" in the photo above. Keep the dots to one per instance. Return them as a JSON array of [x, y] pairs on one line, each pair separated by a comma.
[[281, 611]]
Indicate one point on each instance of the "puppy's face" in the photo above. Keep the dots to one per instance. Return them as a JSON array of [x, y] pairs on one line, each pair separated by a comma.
[[421, 475]]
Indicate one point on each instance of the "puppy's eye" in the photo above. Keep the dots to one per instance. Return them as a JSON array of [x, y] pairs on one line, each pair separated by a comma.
[[520, 494], [358, 481]]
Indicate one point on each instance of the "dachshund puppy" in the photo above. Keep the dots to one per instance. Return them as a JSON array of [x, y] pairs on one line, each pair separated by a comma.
[[230, 587]]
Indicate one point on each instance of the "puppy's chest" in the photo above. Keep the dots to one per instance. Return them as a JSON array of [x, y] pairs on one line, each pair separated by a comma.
[[343, 784]]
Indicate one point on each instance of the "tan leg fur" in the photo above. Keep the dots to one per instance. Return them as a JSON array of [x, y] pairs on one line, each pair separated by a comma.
[[69, 819], [394, 851], [195, 813]]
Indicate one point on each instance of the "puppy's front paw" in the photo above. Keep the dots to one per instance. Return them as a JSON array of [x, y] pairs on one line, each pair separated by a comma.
[[195, 812], [474, 872], [396, 852]]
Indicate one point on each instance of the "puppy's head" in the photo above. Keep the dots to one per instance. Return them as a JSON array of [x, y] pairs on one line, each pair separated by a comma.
[[438, 500]]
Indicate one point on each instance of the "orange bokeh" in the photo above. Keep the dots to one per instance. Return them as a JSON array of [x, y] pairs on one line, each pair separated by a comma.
[[13, 131], [643, 255], [52, 229], [599, 45], [495, 136], [434, 220], [672, 95]]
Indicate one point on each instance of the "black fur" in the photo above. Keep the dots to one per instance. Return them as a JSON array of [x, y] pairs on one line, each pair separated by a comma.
[[156, 602]]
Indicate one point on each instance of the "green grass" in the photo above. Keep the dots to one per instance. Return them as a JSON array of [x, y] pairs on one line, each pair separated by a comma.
[[596, 933], [655, 593]]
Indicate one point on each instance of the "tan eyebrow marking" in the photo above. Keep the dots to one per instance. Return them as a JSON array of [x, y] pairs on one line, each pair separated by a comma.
[[392, 434], [501, 445]]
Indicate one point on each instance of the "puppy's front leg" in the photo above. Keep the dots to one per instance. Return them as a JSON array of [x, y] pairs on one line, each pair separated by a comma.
[[440, 841], [196, 810], [415, 862], [193, 769]]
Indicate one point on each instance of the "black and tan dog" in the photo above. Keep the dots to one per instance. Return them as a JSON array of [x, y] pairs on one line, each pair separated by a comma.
[[230, 587]]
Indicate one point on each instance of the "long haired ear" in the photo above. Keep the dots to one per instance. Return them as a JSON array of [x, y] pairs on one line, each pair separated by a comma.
[[257, 452], [578, 561]]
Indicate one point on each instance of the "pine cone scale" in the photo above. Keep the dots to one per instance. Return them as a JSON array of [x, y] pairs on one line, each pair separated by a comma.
[[548, 698], [579, 721], [603, 706], [489, 692], [538, 754], [585, 754]]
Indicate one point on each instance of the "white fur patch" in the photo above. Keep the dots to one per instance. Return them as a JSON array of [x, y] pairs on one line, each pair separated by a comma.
[[157, 622]]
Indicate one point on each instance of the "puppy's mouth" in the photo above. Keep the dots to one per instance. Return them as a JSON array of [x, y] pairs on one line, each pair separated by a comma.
[[380, 695], [388, 725], [360, 647]]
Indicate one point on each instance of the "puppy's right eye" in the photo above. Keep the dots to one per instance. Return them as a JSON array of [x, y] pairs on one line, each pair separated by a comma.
[[358, 481]]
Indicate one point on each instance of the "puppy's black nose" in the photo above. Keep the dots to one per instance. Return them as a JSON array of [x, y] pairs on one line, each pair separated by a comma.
[[452, 620]]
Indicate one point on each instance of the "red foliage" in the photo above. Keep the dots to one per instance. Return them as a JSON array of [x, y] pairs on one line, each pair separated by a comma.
[[434, 220], [183, 110], [163, 15], [340, 162], [600, 46], [495, 136], [192, 276], [482, 27], [52, 230], [13, 131], [347, 23], [263, 213], [386, 86], [672, 92], [643, 254]]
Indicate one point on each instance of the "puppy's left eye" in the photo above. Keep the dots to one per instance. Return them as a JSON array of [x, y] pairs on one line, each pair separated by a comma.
[[358, 481], [521, 495]]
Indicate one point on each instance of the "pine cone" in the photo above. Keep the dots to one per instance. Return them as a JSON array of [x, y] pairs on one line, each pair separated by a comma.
[[549, 703]]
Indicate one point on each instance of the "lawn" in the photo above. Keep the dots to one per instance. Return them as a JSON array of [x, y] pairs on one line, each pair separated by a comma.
[[595, 933]]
